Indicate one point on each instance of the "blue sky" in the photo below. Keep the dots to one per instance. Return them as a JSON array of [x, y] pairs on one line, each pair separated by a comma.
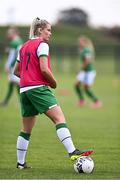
[[101, 12]]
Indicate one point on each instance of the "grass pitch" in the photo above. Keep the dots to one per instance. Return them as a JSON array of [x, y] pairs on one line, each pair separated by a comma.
[[98, 129]]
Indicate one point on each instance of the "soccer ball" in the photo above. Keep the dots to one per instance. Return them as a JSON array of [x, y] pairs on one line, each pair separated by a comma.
[[84, 165]]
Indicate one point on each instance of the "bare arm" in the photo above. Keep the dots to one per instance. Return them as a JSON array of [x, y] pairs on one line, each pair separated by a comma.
[[16, 69], [46, 72]]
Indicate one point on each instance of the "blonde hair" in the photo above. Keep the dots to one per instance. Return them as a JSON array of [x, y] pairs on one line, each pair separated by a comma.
[[88, 42], [35, 27]]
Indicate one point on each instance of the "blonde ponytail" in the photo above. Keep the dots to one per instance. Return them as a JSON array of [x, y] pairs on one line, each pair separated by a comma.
[[32, 27], [35, 27]]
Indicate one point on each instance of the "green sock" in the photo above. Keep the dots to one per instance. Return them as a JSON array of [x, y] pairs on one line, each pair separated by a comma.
[[91, 94], [9, 92], [79, 92], [25, 135]]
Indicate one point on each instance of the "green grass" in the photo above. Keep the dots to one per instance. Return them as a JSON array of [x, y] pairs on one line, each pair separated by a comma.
[[91, 128]]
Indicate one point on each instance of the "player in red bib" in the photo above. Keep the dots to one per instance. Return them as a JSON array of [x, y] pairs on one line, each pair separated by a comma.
[[31, 73], [36, 80]]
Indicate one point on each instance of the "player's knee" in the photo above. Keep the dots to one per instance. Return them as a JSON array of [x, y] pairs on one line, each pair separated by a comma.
[[77, 84], [86, 87]]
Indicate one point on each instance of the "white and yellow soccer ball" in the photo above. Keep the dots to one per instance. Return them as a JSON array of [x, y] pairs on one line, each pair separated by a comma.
[[84, 165]]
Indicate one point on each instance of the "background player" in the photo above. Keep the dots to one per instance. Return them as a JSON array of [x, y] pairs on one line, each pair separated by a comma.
[[36, 78], [14, 45], [87, 73]]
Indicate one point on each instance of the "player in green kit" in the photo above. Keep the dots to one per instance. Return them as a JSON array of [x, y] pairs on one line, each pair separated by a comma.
[[87, 73], [14, 45]]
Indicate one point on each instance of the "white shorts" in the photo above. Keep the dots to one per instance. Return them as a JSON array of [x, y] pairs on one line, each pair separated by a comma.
[[13, 78], [86, 77]]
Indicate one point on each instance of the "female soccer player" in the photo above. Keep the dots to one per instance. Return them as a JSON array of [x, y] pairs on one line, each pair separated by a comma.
[[15, 43], [36, 78], [87, 73]]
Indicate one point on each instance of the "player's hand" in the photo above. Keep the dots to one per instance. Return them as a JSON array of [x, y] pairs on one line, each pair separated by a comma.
[[7, 70], [53, 85]]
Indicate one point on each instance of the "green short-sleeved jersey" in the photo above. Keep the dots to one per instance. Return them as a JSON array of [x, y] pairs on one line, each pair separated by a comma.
[[84, 53], [15, 43]]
